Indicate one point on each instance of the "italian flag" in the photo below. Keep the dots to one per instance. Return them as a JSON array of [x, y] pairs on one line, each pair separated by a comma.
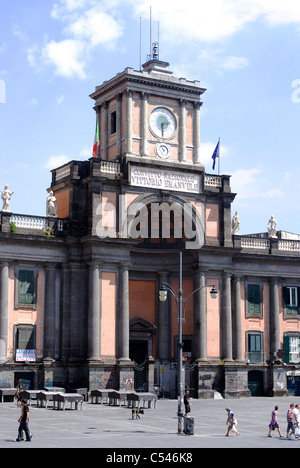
[[96, 141]]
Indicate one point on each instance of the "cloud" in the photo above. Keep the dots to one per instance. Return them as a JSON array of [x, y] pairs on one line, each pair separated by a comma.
[[250, 183], [217, 19], [67, 56]]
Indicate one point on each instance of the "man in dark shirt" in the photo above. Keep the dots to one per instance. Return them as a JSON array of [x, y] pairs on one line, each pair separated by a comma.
[[23, 420]]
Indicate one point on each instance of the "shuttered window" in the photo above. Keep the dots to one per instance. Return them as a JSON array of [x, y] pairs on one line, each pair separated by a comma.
[[26, 287], [255, 347], [291, 348], [291, 296], [25, 338], [254, 299]]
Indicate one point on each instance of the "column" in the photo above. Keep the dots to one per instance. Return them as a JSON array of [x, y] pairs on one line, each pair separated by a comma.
[[144, 124], [105, 130], [227, 319], [119, 123], [200, 318], [94, 313], [196, 133], [65, 312], [237, 320], [164, 326], [129, 116], [123, 313], [274, 318], [182, 131], [4, 309], [49, 317]]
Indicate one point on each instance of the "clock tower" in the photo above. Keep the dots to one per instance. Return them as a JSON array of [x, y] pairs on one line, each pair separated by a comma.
[[149, 114]]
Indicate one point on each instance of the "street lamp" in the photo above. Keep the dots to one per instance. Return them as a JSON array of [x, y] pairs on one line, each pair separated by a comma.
[[163, 295]]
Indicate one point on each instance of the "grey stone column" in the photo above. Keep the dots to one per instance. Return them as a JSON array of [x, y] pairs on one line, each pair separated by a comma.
[[123, 313], [226, 318], [65, 312], [129, 119], [94, 313], [237, 320], [119, 123], [144, 124], [274, 318], [105, 131], [200, 318], [182, 130], [49, 318], [4, 309], [164, 351], [196, 132]]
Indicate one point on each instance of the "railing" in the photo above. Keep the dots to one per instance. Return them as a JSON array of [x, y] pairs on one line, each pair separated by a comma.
[[29, 222], [108, 167], [255, 243], [289, 245], [213, 180]]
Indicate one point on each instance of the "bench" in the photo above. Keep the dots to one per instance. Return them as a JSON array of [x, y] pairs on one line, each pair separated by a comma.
[[81, 391], [138, 399], [7, 392], [44, 397], [60, 400], [116, 397], [100, 394], [29, 395]]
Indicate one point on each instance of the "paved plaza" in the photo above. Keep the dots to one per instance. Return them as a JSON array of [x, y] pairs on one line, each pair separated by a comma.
[[112, 427]]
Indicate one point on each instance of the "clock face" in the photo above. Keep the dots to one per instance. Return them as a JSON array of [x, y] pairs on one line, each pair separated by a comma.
[[163, 123], [163, 151]]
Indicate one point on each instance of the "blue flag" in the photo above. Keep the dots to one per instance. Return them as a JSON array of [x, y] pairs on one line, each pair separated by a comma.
[[216, 154]]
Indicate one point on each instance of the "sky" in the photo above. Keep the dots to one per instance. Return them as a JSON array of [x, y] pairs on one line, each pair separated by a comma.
[[246, 53]]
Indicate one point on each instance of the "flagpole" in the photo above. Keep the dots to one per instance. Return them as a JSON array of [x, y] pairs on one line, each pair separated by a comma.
[[219, 162]]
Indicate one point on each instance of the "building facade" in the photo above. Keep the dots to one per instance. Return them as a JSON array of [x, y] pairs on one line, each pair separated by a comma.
[[79, 302]]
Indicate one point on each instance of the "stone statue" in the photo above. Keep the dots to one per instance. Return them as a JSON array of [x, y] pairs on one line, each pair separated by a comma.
[[51, 206], [6, 196], [272, 228], [235, 224]]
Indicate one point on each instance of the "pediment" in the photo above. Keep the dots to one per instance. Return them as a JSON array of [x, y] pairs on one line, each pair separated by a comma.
[[139, 324]]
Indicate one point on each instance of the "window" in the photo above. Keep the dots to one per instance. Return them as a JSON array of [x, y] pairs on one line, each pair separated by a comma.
[[254, 306], [255, 347], [291, 348], [113, 123], [290, 300], [25, 287], [25, 337]]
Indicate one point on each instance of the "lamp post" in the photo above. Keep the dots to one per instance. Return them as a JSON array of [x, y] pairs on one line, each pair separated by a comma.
[[163, 295]]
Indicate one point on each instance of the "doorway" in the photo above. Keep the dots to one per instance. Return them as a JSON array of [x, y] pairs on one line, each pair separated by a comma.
[[138, 352], [256, 383]]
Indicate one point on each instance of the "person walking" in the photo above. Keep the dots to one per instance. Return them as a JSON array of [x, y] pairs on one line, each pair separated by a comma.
[[187, 403], [232, 422], [274, 423], [290, 426], [24, 420], [296, 421]]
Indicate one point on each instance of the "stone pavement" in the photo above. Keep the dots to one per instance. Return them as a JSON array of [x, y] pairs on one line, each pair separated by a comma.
[[103, 426]]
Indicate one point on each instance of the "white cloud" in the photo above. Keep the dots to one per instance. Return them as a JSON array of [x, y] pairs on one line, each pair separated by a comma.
[[67, 56], [217, 19], [95, 27]]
